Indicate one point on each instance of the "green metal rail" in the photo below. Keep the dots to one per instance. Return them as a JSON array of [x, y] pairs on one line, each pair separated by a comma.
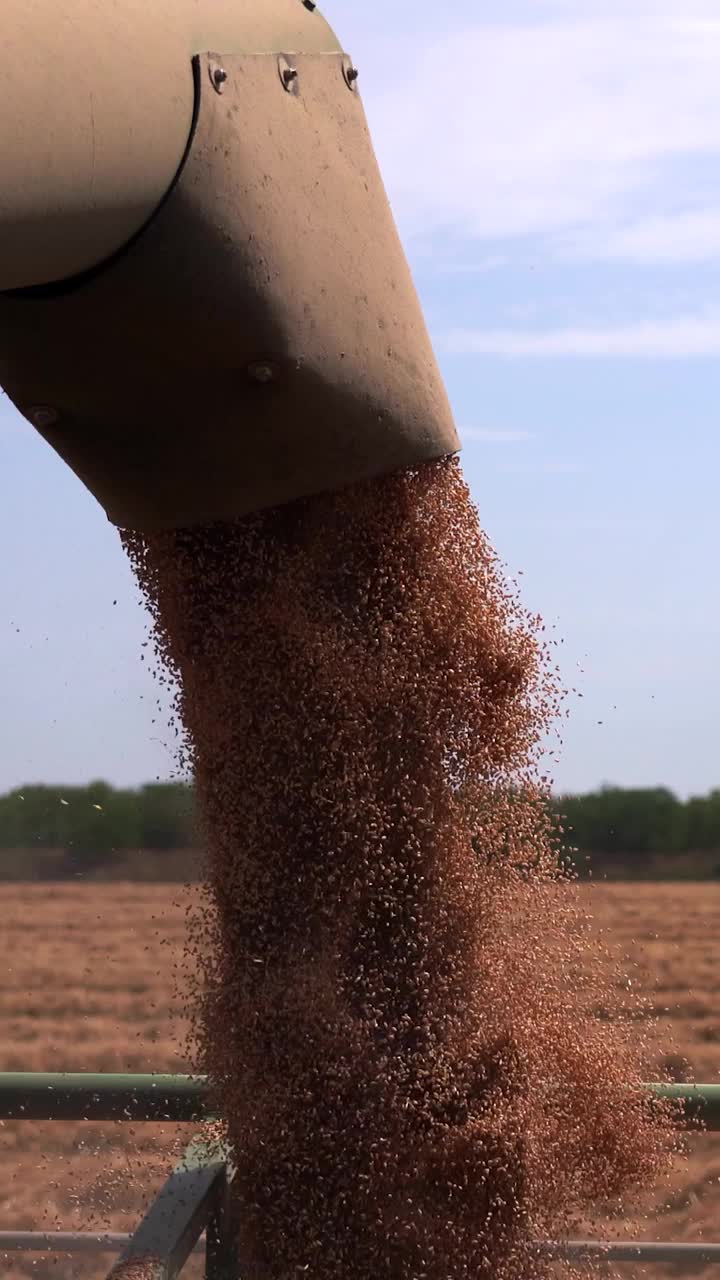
[[180, 1099], [698, 1104], [46, 1095], [196, 1197]]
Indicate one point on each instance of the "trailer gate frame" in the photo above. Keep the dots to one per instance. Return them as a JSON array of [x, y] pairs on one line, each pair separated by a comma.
[[196, 1196]]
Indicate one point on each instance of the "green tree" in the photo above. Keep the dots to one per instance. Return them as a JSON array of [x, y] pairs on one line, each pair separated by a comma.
[[627, 822], [165, 816]]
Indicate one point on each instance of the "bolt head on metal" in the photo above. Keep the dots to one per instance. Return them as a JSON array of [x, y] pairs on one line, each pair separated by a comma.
[[288, 74], [43, 416], [351, 74], [261, 371], [218, 75]]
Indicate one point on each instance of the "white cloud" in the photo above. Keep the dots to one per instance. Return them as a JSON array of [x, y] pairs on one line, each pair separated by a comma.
[[570, 119], [686, 236], [483, 436], [681, 338]]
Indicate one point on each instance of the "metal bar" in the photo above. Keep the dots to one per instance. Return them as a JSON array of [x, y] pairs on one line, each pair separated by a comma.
[[221, 1256], [95, 1096], [176, 1219], [700, 1102], [570, 1251], [69, 1242], [643, 1251], [79, 1096]]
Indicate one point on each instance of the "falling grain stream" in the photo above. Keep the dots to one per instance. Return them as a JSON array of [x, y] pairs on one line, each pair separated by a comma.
[[413, 1084]]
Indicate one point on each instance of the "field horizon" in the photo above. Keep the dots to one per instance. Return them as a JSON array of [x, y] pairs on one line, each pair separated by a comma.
[[47, 866]]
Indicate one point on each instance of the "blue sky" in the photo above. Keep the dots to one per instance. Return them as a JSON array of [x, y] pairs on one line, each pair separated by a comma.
[[553, 167]]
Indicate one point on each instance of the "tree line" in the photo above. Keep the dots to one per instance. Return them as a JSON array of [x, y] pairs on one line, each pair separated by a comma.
[[636, 823], [93, 823]]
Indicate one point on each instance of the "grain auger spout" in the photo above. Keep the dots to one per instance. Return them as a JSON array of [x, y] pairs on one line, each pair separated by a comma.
[[205, 307]]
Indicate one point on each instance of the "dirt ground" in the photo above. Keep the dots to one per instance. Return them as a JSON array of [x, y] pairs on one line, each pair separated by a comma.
[[90, 982]]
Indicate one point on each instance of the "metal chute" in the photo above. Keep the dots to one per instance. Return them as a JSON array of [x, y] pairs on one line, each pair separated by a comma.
[[210, 312]]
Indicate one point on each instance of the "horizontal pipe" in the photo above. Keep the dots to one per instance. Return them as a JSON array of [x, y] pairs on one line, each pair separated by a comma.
[[700, 1103], [569, 1251], [69, 1242], [643, 1251], [95, 1096], [181, 1098]]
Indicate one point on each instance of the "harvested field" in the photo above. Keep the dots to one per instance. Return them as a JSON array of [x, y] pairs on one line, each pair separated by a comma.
[[88, 984]]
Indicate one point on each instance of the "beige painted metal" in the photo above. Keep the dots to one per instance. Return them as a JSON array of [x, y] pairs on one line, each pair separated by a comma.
[[262, 339], [97, 107]]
